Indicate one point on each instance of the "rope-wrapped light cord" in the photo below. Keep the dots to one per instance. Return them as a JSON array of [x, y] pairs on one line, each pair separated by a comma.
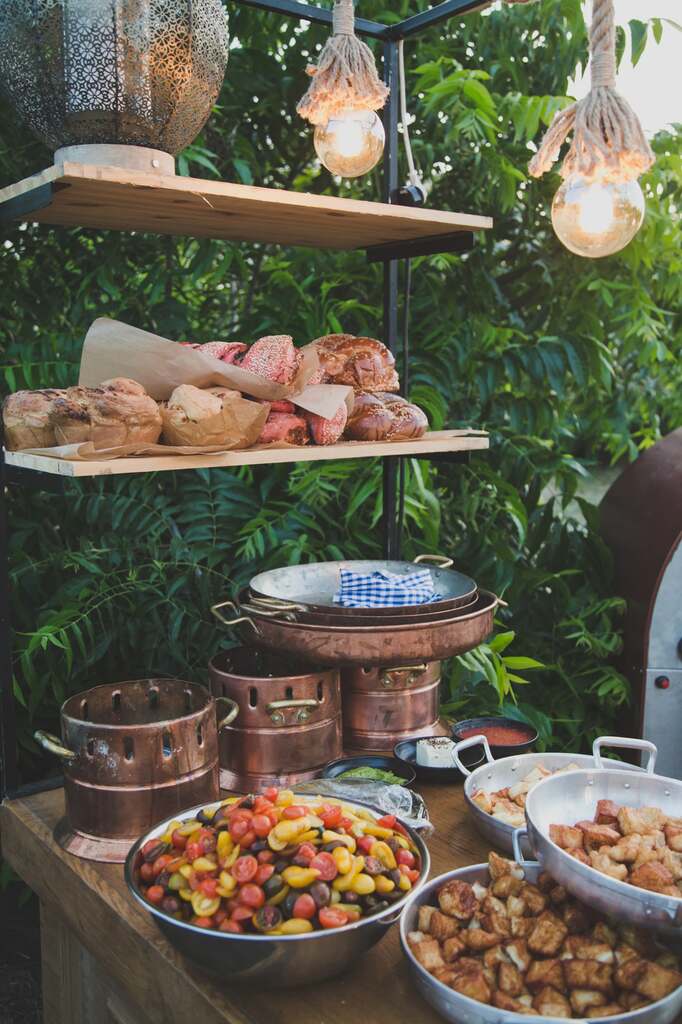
[[608, 141], [346, 74]]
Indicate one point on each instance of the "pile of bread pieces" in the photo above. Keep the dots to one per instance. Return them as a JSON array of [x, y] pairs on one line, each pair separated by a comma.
[[534, 950], [119, 411]]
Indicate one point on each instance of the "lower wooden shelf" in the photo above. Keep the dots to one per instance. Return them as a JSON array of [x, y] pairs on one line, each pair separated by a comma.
[[435, 442]]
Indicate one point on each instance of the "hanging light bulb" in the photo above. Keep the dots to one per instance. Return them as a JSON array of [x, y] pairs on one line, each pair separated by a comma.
[[597, 218], [351, 142]]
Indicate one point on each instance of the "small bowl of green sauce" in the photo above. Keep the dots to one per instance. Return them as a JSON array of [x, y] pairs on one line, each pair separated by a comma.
[[370, 768]]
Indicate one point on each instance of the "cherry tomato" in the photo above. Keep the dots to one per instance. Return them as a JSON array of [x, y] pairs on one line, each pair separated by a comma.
[[265, 856], [331, 815], [238, 829], [345, 823], [264, 872], [220, 916], [242, 813], [401, 830], [161, 862], [242, 913], [406, 858], [150, 845], [230, 926], [305, 907], [294, 811], [147, 873], [306, 852], [209, 886], [388, 821], [155, 894], [244, 869], [273, 815], [194, 881], [251, 895], [409, 873], [329, 917], [193, 850], [248, 839], [326, 865], [178, 841], [271, 793], [261, 825], [366, 843], [202, 922], [261, 805]]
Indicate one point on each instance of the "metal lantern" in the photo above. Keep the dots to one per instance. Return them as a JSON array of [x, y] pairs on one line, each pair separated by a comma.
[[114, 74]]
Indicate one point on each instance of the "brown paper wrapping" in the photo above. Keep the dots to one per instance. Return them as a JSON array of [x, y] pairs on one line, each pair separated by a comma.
[[114, 349], [240, 423]]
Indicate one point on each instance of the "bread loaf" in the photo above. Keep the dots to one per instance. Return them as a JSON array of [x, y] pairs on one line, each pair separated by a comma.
[[327, 431], [195, 417], [26, 418], [117, 412], [364, 364], [385, 417], [275, 357]]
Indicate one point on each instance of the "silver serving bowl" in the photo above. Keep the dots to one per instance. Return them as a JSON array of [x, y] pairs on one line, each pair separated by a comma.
[[285, 961], [459, 1009], [494, 775]]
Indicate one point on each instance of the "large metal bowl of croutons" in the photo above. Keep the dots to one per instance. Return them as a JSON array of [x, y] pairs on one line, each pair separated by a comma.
[[497, 943]]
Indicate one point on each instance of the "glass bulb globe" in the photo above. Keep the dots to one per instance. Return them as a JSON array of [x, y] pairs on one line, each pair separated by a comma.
[[597, 218], [351, 142]]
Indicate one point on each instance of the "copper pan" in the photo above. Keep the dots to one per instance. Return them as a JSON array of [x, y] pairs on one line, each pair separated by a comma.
[[338, 616], [366, 645]]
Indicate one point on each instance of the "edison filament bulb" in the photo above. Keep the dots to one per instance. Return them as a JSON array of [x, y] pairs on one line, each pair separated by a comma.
[[596, 219], [351, 142]]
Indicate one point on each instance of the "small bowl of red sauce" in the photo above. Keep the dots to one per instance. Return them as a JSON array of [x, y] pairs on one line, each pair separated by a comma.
[[505, 736]]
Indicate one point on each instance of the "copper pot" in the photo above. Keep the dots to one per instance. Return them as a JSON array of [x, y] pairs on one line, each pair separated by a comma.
[[382, 706], [133, 753], [289, 722]]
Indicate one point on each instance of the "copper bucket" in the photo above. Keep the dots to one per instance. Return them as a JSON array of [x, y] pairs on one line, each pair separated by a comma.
[[382, 706], [134, 753], [289, 722]]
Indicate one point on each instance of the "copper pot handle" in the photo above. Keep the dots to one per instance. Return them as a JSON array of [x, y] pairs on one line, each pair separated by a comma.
[[216, 610], [442, 561], [276, 603], [231, 714], [270, 612], [275, 708], [53, 744], [414, 670]]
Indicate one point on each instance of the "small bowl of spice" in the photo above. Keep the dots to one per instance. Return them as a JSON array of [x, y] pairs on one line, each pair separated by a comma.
[[505, 736], [370, 768]]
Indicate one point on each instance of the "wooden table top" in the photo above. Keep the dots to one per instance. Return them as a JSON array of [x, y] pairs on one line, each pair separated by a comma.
[[95, 903]]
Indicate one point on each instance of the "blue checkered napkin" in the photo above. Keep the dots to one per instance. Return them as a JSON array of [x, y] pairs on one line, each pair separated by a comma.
[[384, 589]]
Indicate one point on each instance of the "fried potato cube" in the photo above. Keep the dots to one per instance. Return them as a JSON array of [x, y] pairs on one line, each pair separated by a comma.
[[477, 939], [579, 855], [583, 947], [598, 835], [627, 849], [548, 934], [673, 836], [582, 1000], [628, 973], [589, 974], [518, 953], [509, 979], [567, 837], [498, 924], [509, 813], [623, 953], [600, 861], [492, 905], [452, 948], [610, 1010], [483, 800], [606, 812], [535, 900], [673, 862], [575, 918], [457, 899], [441, 926], [494, 956], [470, 981], [656, 982], [505, 886], [653, 876], [427, 952], [551, 1003], [516, 906], [640, 819], [499, 866], [545, 972], [505, 1002], [521, 927], [424, 918]]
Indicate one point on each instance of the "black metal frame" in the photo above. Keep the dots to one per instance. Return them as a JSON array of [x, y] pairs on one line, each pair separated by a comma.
[[390, 35]]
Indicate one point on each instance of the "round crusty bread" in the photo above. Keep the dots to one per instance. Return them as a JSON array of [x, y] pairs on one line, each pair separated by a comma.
[[385, 417], [114, 413], [26, 419], [364, 364]]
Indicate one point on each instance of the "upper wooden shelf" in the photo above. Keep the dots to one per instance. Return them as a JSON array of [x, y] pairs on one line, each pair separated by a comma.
[[79, 195], [434, 443]]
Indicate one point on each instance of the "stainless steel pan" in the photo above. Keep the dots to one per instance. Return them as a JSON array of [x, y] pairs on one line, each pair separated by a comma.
[[461, 1009], [566, 799], [313, 586], [366, 645], [493, 775]]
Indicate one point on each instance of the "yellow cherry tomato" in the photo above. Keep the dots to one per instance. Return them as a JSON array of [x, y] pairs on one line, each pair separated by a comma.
[[299, 878]]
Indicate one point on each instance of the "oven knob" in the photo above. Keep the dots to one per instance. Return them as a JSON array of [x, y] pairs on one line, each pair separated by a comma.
[[662, 682]]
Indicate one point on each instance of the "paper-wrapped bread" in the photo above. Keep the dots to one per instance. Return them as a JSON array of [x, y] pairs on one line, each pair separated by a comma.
[[212, 416], [117, 412], [26, 419]]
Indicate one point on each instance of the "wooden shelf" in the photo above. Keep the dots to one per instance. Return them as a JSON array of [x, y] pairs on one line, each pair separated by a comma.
[[436, 442], [77, 195]]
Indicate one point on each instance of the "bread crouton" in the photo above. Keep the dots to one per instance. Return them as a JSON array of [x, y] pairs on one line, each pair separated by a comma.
[[521, 927], [575, 918], [509, 979], [589, 974], [628, 973], [606, 812], [441, 926], [579, 855], [653, 876], [627, 849], [583, 999], [457, 899], [499, 866], [518, 953], [469, 980], [498, 924], [505, 886], [610, 1010], [452, 948], [584, 947], [535, 900], [640, 819], [567, 837], [427, 952], [483, 800], [492, 905], [477, 939], [551, 1003], [424, 917], [505, 1002], [656, 982], [548, 934], [673, 836], [600, 861], [595, 836], [545, 972]]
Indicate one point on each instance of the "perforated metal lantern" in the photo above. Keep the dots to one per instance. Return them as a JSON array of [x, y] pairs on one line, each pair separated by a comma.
[[114, 72]]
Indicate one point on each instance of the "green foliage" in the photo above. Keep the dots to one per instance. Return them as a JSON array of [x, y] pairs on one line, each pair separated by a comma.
[[570, 364]]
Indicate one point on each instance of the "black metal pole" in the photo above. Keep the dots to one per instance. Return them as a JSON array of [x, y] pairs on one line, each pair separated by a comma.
[[435, 15], [319, 15], [9, 764], [390, 465]]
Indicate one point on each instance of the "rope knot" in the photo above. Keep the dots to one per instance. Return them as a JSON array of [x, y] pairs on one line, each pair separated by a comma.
[[343, 18]]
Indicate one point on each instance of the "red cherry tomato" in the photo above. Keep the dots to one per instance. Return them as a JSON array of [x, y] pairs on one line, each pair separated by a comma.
[[238, 828], [331, 815], [388, 821], [406, 858], [265, 856], [242, 913], [236, 813], [150, 845], [202, 922], [345, 823], [209, 887], [273, 815], [326, 865], [271, 793], [178, 841], [306, 851], [264, 872], [261, 805], [365, 843], [261, 825], [194, 881], [147, 872], [294, 811], [155, 893], [305, 907], [161, 863], [220, 916], [401, 830], [409, 873], [193, 850], [248, 839], [251, 895], [244, 869], [230, 926], [330, 917]]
